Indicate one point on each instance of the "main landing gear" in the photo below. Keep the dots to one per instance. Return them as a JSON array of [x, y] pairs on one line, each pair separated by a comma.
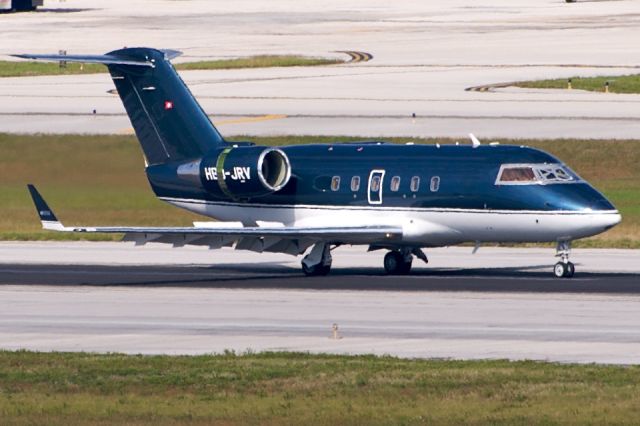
[[398, 262], [564, 268], [318, 261]]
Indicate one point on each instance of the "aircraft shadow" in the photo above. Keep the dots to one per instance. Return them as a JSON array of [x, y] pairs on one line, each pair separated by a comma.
[[536, 279]]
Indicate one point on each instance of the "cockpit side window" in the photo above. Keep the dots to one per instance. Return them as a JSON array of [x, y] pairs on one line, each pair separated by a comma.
[[555, 173], [517, 174], [535, 174]]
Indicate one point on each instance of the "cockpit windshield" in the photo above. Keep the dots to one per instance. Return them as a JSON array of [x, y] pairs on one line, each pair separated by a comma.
[[535, 174]]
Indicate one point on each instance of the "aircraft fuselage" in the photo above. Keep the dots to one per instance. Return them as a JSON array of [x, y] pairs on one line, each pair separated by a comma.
[[439, 194]]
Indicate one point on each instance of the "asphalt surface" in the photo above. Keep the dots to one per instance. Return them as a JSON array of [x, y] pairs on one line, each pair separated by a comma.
[[269, 276], [497, 303]]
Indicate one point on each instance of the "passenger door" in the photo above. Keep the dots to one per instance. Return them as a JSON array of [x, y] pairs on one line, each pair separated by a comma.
[[376, 178]]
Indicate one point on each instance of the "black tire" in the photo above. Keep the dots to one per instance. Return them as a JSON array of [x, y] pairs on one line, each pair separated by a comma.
[[559, 270], [392, 262], [570, 270], [309, 271], [315, 270], [324, 270], [405, 268]]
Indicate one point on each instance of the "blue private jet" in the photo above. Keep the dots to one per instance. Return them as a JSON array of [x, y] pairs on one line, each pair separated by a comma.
[[312, 198]]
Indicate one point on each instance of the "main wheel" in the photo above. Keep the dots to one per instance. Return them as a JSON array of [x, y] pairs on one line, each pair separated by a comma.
[[394, 264], [316, 270], [405, 268], [392, 261]]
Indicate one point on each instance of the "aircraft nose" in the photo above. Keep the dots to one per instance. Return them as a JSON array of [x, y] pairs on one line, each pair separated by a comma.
[[602, 204], [612, 220]]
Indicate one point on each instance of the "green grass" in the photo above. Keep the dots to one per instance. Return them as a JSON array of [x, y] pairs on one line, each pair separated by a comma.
[[24, 69], [100, 180], [261, 61], [617, 84], [290, 388]]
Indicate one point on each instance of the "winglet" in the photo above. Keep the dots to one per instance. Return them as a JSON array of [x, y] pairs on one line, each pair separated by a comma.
[[48, 219]]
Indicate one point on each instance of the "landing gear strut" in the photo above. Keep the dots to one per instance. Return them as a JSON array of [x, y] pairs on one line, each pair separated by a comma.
[[318, 261], [564, 268]]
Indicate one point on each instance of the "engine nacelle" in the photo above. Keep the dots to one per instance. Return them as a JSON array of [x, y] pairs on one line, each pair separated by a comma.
[[245, 171]]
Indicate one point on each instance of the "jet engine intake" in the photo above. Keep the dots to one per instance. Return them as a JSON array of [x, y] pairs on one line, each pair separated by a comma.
[[245, 172]]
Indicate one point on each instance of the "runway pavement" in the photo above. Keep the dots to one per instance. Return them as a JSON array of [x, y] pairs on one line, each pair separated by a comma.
[[279, 277], [499, 303], [425, 54]]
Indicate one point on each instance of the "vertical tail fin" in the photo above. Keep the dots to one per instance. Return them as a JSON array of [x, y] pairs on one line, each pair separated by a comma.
[[167, 119]]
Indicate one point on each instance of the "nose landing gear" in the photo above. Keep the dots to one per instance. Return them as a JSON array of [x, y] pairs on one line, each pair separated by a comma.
[[564, 268]]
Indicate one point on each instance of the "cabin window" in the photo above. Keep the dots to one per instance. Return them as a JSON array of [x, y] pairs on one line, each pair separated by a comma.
[[335, 183], [355, 183], [531, 174], [395, 183], [435, 184], [415, 183], [375, 184]]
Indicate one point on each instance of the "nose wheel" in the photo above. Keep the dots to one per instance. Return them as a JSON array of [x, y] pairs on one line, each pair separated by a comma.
[[564, 268]]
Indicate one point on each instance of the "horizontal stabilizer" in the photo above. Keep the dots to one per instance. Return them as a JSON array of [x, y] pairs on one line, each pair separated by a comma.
[[87, 59], [109, 59]]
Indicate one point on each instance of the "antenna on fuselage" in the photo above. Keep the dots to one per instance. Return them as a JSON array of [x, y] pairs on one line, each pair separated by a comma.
[[474, 141]]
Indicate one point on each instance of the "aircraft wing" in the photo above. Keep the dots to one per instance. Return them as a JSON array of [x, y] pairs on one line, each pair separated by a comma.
[[279, 239]]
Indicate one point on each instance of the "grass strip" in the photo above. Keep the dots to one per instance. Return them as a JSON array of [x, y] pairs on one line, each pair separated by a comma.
[[27, 69], [617, 84], [100, 180], [297, 388]]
